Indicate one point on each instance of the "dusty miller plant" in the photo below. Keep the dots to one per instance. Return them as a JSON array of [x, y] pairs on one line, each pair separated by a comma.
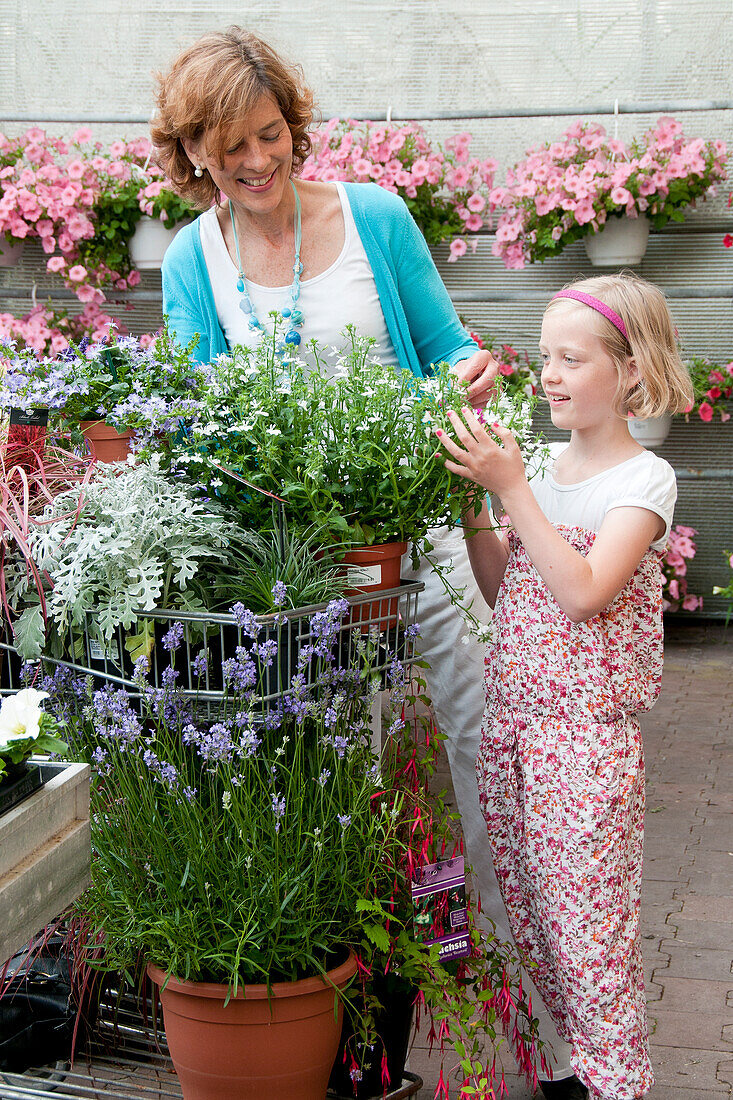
[[131, 540]]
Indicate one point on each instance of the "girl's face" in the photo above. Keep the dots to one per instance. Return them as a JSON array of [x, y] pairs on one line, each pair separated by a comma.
[[579, 377], [257, 164]]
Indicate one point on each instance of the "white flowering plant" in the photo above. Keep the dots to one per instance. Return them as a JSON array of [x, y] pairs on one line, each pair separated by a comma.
[[348, 445], [25, 728]]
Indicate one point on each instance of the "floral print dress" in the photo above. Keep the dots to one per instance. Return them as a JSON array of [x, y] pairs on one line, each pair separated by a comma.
[[561, 785]]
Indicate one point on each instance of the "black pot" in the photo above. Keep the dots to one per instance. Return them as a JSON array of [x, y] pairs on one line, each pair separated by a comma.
[[394, 1026], [18, 782]]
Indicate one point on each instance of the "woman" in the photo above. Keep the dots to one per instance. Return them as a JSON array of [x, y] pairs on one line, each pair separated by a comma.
[[233, 121]]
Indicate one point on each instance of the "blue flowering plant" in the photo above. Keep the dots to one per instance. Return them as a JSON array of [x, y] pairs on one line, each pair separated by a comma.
[[144, 385], [247, 845]]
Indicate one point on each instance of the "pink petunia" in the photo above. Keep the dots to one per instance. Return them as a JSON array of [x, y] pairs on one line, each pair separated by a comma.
[[458, 247], [77, 273], [56, 264], [705, 412]]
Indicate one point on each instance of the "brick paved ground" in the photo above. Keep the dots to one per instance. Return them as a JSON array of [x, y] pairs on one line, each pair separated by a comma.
[[687, 907]]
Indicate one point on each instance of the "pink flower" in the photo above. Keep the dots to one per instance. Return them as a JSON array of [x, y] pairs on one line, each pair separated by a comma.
[[474, 222], [118, 149], [362, 167], [82, 136], [705, 412], [77, 273], [476, 202], [458, 247], [691, 603], [620, 196], [75, 169], [86, 293], [56, 263], [48, 244]]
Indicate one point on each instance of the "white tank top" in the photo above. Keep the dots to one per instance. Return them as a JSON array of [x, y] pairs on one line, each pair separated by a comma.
[[345, 293]]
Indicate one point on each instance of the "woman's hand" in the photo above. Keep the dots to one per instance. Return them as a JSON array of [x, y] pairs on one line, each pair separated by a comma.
[[498, 468], [480, 370]]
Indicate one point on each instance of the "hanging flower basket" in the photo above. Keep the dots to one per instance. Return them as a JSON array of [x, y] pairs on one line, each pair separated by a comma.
[[651, 432], [277, 1043], [150, 241], [620, 243]]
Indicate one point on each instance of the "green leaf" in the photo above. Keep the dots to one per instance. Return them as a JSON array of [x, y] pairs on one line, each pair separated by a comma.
[[29, 632], [378, 935], [140, 644]]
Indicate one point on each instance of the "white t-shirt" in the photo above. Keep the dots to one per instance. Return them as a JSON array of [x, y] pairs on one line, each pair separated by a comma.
[[645, 481], [345, 293]]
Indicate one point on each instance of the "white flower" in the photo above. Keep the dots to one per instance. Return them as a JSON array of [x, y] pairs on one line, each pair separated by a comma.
[[20, 716], [273, 431]]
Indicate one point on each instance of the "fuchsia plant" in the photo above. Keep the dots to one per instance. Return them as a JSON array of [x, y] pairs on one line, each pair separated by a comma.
[[567, 189], [446, 191], [681, 548]]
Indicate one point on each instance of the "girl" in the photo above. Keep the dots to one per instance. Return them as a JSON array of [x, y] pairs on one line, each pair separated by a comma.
[[577, 651]]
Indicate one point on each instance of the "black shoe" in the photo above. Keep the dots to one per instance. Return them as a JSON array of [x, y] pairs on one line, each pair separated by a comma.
[[569, 1088]]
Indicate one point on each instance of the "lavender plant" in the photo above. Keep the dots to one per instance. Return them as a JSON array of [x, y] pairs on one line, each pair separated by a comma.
[[237, 849]]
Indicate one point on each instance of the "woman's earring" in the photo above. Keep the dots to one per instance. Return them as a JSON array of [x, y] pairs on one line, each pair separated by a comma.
[[198, 171]]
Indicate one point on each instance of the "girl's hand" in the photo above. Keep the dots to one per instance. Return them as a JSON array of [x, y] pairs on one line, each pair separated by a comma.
[[480, 369], [497, 468]]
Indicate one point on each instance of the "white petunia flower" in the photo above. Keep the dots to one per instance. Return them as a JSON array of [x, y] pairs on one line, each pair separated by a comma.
[[20, 716]]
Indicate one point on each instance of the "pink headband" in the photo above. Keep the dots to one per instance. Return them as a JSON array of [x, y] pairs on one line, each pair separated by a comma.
[[597, 305]]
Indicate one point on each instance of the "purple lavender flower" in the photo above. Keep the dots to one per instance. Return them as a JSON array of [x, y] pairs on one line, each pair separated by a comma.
[[168, 677], [173, 638], [413, 631], [200, 664], [279, 593], [344, 821], [278, 808], [246, 620]]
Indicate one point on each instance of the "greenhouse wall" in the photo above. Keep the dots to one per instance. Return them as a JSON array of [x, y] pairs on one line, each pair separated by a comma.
[[511, 73]]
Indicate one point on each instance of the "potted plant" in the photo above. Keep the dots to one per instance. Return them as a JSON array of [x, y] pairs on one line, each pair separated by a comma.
[[248, 857], [446, 190], [104, 392], [713, 385], [575, 187], [347, 445], [126, 540], [25, 730]]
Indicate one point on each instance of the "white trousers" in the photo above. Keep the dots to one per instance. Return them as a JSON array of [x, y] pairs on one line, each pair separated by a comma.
[[456, 682]]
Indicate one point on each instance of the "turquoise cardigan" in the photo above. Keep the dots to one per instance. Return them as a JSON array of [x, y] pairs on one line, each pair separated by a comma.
[[419, 314]]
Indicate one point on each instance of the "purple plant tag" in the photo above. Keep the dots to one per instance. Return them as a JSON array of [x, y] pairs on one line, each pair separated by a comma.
[[440, 913]]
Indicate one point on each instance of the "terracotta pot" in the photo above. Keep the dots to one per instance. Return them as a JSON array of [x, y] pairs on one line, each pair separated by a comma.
[[149, 242], [373, 569], [105, 443], [620, 242], [254, 1047]]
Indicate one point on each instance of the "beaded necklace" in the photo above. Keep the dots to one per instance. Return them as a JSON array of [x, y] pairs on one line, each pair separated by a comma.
[[293, 316]]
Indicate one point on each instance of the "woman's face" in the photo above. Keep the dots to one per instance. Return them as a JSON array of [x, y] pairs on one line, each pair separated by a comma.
[[258, 161]]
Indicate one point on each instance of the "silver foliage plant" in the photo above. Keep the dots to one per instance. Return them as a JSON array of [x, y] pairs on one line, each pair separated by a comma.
[[131, 540]]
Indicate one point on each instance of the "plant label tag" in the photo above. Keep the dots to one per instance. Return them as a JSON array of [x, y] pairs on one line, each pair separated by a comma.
[[30, 418], [440, 913], [364, 574], [98, 652]]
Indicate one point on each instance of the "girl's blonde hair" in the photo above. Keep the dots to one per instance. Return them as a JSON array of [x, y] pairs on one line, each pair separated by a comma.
[[209, 89], [664, 381]]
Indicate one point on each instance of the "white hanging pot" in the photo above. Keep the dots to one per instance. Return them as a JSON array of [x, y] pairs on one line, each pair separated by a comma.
[[620, 242], [651, 432], [10, 251], [150, 241]]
